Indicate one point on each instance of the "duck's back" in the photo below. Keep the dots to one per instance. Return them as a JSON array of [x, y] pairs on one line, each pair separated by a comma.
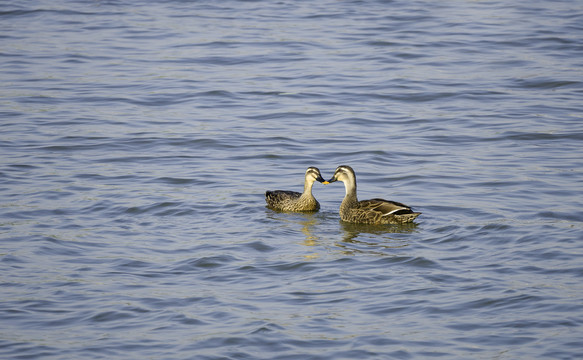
[[378, 211], [284, 200]]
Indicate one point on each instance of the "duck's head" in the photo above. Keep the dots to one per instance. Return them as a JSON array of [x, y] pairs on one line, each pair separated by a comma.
[[313, 174], [343, 173]]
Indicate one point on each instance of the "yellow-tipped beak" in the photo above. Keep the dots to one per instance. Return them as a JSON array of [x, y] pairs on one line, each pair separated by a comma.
[[325, 182]]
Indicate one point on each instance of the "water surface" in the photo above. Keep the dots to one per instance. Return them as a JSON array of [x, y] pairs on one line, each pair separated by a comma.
[[137, 142]]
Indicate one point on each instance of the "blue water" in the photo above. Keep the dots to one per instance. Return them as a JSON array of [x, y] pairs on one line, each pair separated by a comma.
[[137, 140]]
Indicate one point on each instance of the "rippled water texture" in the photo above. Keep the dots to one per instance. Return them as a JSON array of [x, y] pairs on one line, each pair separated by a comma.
[[138, 138]]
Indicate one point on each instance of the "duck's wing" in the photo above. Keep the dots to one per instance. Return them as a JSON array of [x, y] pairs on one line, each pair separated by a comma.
[[281, 195], [385, 207]]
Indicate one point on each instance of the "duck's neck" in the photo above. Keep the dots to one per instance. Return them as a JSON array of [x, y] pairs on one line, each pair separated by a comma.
[[350, 197], [308, 187]]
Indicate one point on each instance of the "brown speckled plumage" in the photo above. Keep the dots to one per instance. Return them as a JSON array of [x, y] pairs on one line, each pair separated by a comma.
[[374, 211], [284, 200]]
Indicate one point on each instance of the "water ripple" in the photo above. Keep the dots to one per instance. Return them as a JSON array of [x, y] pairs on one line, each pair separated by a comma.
[[138, 142]]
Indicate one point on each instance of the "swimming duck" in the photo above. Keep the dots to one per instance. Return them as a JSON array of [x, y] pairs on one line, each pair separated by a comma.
[[374, 211], [284, 200]]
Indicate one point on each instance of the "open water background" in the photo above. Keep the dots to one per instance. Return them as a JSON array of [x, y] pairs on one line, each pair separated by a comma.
[[138, 138]]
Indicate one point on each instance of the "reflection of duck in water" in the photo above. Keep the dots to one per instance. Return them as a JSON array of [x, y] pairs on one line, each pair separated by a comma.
[[373, 239], [353, 231], [374, 211], [284, 200], [311, 240], [307, 226], [306, 222]]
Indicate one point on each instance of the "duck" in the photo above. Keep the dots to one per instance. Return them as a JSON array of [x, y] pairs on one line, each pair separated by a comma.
[[374, 211], [283, 200]]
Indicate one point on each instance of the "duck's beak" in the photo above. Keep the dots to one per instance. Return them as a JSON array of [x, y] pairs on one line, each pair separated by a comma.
[[328, 181], [321, 179]]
